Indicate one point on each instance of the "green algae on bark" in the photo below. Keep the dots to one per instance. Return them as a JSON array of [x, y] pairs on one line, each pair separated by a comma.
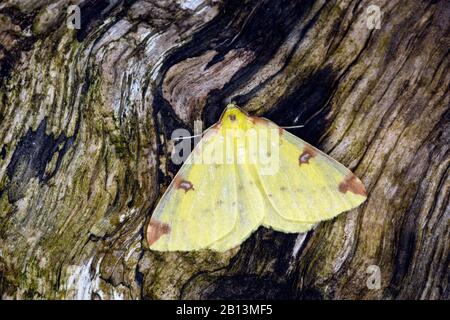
[[78, 194]]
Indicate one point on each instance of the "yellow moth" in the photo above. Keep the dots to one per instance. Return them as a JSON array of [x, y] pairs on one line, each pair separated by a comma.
[[247, 172]]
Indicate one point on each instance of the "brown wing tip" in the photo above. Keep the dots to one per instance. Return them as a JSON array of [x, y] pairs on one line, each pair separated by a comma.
[[353, 184], [156, 230]]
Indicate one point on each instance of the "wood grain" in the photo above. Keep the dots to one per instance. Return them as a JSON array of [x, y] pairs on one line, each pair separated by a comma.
[[86, 118]]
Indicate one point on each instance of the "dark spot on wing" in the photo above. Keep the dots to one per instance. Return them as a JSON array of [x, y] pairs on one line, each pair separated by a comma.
[[180, 183], [232, 117], [353, 184], [156, 230], [306, 155], [283, 188]]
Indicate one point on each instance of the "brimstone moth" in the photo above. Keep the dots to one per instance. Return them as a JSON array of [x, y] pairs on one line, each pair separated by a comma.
[[217, 204]]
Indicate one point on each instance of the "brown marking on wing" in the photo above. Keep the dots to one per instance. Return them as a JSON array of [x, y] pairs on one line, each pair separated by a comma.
[[306, 155], [266, 122], [232, 117], [216, 126], [156, 230], [263, 121], [180, 183], [258, 120], [208, 135], [353, 184], [211, 131]]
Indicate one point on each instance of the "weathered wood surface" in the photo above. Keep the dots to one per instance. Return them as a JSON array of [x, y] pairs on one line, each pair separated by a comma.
[[86, 117]]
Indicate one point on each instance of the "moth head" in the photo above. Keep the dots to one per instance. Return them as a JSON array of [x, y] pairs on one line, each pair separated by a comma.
[[233, 117]]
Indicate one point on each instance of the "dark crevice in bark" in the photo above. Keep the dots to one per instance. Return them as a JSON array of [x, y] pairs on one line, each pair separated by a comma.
[[93, 13], [378, 99], [31, 157], [302, 104], [262, 36]]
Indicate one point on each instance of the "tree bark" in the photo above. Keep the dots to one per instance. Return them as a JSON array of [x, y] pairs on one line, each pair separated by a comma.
[[87, 115]]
